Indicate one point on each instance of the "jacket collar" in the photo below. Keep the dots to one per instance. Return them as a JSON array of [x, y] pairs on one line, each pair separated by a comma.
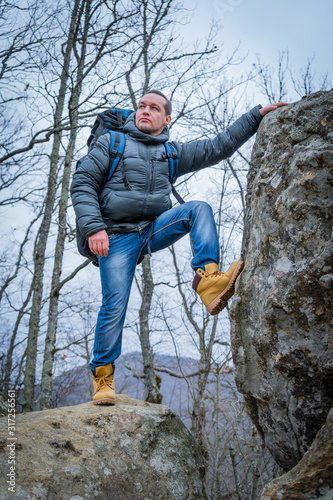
[[131, 129]]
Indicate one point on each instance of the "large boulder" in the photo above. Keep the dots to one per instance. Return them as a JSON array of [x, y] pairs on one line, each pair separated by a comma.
[[131, 451], [281, 317]]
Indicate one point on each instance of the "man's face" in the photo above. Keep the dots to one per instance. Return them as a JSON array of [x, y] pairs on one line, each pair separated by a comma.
[[151, 117]]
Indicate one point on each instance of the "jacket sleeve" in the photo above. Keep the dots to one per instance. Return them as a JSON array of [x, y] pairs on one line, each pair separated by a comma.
[[87, 184], [205, 153]]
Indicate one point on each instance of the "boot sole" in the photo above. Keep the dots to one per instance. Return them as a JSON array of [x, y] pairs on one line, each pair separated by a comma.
[[104, 401], [221, 300]]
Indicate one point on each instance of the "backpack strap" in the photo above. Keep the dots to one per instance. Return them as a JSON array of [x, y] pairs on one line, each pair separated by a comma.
[[173, 157], [117, 146], [180, 200]]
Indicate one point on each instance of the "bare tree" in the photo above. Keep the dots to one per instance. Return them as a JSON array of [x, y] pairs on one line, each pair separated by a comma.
[[23, 29], [307, 83], [274, 88], [43, 232], [81, 48], [274, 82], [82, 39]]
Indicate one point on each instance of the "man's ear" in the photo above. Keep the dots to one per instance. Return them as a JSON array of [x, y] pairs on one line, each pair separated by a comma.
[[167, 120]]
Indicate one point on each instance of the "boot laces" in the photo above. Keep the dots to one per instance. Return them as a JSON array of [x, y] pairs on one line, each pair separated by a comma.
[[215, 274], [106, 380]]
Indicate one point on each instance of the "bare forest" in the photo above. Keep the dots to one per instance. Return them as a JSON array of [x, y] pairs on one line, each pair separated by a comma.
[[60, 64]]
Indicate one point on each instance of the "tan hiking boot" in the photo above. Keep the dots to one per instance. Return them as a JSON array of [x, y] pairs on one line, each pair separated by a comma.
[[104, 385], [216, 288]]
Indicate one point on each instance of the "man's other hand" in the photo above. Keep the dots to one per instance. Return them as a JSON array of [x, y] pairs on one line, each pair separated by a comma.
[[99, 243], [267, 109]]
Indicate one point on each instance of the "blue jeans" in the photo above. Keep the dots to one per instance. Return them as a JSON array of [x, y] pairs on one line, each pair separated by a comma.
[[117, 269]]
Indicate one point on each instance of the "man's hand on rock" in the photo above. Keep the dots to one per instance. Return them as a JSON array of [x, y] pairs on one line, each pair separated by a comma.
[[267, 109], [99, 243]]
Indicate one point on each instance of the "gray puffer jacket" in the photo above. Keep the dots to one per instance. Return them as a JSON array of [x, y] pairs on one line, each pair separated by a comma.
[[118, 208]]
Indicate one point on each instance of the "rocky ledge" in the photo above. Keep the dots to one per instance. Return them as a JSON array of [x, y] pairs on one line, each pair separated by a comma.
[[131, 451]]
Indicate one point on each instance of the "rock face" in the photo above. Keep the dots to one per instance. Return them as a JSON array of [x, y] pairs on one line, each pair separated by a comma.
[[312, 477], [282, 331], [131, 451]]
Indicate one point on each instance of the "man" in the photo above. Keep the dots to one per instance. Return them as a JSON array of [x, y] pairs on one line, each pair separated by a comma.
[[132, 216]]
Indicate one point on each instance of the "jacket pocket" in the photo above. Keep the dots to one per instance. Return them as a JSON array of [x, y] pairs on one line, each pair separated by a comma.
[[112, 236]]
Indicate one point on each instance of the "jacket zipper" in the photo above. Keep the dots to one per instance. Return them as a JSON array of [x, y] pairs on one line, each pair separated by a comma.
[[147, 184], [152, 175]]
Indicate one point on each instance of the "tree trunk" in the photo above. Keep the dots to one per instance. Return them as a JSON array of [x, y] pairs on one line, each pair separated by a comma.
[[151, 380], [42, 237], [46, 384], [9, 357], [198, 417]]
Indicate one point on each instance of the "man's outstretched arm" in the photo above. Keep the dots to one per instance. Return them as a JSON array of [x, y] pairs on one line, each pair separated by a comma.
[[205, 153]]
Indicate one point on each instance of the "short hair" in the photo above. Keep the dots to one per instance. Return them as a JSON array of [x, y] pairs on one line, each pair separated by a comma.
[[168, 105]]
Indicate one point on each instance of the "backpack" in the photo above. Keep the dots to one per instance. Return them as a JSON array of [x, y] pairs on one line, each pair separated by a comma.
[[112, 121]]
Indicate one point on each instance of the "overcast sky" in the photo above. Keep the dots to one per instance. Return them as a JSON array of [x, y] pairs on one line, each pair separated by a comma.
[[268, 27]]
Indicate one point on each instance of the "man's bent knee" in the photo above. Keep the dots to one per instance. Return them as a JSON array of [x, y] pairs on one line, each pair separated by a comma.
[[200, 207]]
